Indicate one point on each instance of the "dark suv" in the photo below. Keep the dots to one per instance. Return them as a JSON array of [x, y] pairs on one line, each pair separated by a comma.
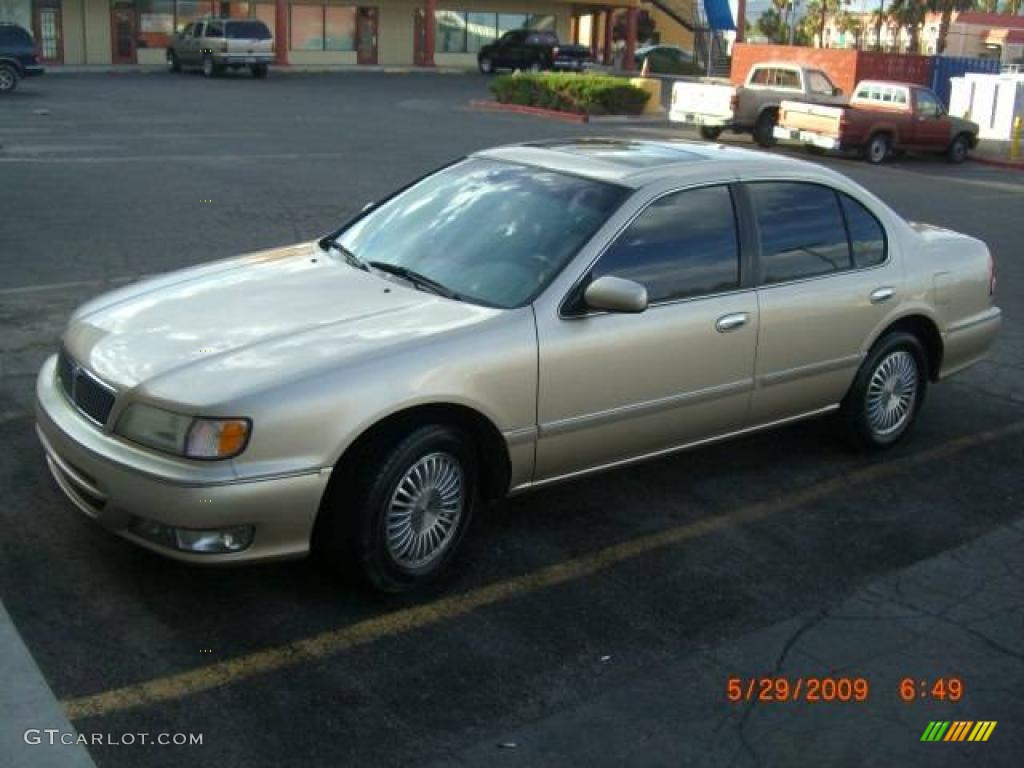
[[17, 56]]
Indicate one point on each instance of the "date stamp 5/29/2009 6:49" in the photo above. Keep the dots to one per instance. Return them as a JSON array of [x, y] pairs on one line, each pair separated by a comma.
[[842, 688]]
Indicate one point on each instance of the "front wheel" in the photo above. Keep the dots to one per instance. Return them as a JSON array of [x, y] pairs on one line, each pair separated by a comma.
[[405, 508], [887, 392], [710, 134], [957, 151], [8, 78], [209, 67]]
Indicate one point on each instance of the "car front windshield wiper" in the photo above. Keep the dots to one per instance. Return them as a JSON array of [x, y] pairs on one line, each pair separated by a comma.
[[351, 259], [417, 279]]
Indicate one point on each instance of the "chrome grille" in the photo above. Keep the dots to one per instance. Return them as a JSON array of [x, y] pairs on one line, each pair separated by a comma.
[[90, 396]]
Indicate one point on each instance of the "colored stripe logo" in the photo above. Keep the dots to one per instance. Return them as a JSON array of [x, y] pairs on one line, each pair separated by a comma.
[[958, 730]]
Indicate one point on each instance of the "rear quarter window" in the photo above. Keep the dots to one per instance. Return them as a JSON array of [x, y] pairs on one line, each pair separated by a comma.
[[867, 236]]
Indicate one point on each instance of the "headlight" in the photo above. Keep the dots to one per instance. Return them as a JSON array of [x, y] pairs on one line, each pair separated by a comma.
[[191, 437]]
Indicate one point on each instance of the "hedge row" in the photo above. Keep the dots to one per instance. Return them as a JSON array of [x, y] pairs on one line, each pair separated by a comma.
[[566, 92]]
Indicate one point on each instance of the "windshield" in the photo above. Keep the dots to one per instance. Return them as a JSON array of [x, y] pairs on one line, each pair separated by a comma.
[[488, 231]]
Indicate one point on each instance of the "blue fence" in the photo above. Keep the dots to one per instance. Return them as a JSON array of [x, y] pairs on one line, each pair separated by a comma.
[[946, 67]]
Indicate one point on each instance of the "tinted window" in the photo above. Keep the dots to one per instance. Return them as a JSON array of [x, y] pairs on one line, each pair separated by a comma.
[[683, 245], [248, 30], [867, 238], [927, 104], [493, 232], [214, 30], [11, 35], [801, 228]]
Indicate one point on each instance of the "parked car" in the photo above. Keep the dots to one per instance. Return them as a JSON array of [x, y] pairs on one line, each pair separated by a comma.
[[218, 44], [753, 107], [526, 315], [880, 119], [665, 59], [534, 50], [17, 56]]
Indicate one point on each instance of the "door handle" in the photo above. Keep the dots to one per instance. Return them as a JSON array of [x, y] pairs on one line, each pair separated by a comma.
[[880, 295], [727, 323]]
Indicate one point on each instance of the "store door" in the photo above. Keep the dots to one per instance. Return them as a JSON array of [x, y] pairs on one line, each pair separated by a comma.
[[47, 26], [419, 38], [122, 33], [366, 36]]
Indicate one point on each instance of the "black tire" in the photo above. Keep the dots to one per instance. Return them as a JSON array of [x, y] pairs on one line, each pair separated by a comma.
[[860, 428], [173, 64], [710, 134], [486, 65], [763, 129], [354, 534], [210, 68], [536, 66], [958, 149], [260, 71], [877, 149], [8, 78]]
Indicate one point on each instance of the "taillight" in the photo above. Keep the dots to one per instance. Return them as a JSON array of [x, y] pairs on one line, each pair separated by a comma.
[[991, 275]]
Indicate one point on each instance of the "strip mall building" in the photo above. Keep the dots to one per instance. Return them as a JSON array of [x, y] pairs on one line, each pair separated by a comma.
[[325, 32]]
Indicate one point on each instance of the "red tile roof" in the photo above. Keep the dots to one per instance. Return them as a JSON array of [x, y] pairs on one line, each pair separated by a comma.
[[991, 19]]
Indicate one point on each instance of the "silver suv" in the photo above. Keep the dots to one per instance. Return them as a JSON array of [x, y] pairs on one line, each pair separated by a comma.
[[219, 44]]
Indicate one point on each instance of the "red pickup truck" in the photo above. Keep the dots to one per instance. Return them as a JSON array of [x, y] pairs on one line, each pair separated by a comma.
[[881, 118]]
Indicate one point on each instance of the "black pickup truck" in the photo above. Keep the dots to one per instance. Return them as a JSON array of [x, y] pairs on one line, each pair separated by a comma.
[[533, 50]]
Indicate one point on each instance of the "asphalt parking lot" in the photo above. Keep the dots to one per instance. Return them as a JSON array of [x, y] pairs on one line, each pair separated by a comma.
[[596, 622]]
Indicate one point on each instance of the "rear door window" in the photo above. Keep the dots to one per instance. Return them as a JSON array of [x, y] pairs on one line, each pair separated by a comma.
[[801, 230]]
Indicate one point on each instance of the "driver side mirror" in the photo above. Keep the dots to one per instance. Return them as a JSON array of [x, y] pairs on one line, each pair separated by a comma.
[[615, 294]]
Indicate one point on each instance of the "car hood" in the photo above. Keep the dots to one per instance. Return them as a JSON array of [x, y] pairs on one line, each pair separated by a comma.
[[206, 333]]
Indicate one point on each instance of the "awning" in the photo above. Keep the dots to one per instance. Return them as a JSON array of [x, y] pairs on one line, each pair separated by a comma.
[[719, 15]]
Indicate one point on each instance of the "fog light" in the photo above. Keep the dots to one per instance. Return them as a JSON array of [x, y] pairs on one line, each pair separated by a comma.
[[219, 540]]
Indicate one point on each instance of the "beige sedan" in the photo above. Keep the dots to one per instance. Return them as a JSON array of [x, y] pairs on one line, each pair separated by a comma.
[[526, 315]]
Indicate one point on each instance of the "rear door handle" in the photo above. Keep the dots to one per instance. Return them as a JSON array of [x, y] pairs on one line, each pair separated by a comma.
[[727, 323], [880, 295]]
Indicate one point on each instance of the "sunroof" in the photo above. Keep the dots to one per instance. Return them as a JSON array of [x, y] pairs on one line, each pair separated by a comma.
[[634, 154]]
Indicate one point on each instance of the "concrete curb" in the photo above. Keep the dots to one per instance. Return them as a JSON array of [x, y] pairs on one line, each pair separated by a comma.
[[551, 114], [1014, 165], [26, 702]]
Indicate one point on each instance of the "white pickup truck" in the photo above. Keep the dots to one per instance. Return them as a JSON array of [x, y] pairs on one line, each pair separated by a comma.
[[714, 106]]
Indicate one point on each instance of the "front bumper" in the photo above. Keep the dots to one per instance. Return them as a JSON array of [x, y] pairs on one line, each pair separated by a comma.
[[34, 70], [114, 482], [806, 137]]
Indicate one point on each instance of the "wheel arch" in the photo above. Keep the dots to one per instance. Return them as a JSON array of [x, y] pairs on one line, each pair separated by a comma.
[[15, 64], [492, 449], [926, 331]]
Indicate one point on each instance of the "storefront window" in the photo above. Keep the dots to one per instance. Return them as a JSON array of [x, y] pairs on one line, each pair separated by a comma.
[[481, 29], [307, 27], [468, 31], [17, 12], [450, 34], [156, 23], [235, 10], [339, 28], [267, 13], [187, 11]]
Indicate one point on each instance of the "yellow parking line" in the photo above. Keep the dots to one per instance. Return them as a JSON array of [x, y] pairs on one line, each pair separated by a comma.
[[332, 642]]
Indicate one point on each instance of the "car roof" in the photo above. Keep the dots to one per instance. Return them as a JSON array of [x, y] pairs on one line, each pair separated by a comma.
[[637, 163]]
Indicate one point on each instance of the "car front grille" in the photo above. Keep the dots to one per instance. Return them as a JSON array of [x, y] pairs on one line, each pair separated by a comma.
[[89, 394]]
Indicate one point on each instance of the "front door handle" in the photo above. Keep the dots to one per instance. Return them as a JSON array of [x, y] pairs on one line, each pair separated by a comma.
[[727, 323], [880, 295]]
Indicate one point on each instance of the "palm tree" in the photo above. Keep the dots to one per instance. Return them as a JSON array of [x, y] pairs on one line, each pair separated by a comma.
[[909, 14]]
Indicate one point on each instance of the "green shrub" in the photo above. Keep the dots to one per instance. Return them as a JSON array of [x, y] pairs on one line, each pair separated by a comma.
[[566, 92]]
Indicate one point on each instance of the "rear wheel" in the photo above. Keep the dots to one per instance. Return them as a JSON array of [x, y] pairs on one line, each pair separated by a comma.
[[763, 129], [887, 392], [8, 78], [400, 515], [710, 134], [877, 149], [958, 149], [259, 71]]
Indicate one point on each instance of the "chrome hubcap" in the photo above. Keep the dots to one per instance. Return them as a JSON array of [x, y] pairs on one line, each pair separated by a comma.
[[425, 510], [878, 150], [892, 393], [6, 79]]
